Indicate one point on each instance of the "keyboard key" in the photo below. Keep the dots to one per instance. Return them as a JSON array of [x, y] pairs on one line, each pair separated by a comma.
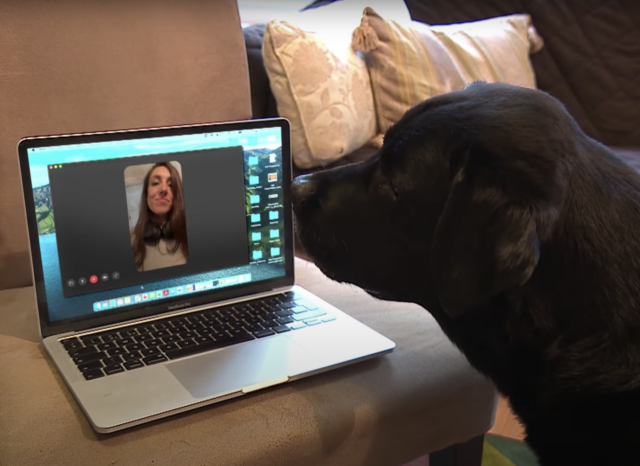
[[206, 331], [134, 347], [298, 309], [152, 343], [169, 347], [159, 333], [71, 343], [106, 346], [283, 313], [187, 335], [91, 340], [263, 333], [192, 327], [312, 322], [80, 359], [150, 351], [131, 356], [129, 332], [287, 305], [80, 351], [112, 361], [90, 365], [143, 337], [186, 343], [116, 352], [309, 315], [133, 364], [211, 345], [281, 329], [201, 339], [155, 359], [297, 326], [93, 374], [170, 339], [110, 370], [109, 336], [125, 341], [145, 329], [328, 318], [162, 326], [285, 320]]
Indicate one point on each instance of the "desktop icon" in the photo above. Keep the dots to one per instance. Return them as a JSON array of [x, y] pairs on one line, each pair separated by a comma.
[[273, 215], [105, 305], [189, 288], [97, 306], [120, 302], [254, 199], [152, 295], [257, 255], [254, 180], [252, 161], [272, 177], [255, 218], [272, 158], [112, 303], [275, 252], [256, 236], [145, 297], [138, 298], [172, 291], [127, 300], [274, 233], [165, 293], [179, 290]]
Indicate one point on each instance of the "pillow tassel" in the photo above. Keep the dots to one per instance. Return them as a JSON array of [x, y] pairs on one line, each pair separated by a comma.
[[364, 37]]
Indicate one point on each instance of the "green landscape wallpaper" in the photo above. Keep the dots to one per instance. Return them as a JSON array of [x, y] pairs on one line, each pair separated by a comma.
[[44, 210]]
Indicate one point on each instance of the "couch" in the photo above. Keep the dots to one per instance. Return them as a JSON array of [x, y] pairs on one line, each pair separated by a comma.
[[590, 61], [74, 66]]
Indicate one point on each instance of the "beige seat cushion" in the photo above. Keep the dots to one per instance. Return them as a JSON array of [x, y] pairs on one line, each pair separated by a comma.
[[76, 66], [386, 411], [409, 63]]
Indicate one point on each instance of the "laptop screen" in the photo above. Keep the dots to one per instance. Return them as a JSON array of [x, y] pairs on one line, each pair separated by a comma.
[[159, 219]]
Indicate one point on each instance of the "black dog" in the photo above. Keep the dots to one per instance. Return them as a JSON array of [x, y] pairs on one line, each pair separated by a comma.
[[493, 210]]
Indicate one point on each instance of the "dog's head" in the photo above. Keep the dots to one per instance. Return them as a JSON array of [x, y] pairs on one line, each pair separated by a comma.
[[452, 210]]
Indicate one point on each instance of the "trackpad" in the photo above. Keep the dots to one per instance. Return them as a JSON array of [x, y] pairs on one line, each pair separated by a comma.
[[233, 368]]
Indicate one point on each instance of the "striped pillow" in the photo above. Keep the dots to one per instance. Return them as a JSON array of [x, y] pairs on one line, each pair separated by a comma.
[[411, 62]]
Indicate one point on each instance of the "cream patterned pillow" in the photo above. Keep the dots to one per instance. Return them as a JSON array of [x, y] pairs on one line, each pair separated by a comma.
[[323, 90], [409, 63]]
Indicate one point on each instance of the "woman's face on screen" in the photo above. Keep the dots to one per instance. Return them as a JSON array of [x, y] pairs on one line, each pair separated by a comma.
[[159, 193]]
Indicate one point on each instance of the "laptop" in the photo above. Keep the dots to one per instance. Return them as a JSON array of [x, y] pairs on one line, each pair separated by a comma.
[[163, 264]]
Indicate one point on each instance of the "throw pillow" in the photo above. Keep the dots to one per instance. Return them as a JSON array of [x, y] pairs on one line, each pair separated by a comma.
[[320, 84], [409, 63]]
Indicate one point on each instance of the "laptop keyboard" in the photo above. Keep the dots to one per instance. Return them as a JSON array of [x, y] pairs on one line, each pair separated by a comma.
[[128, 348]]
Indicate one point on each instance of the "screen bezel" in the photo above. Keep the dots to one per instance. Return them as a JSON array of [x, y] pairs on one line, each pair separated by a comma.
[[48, 328]]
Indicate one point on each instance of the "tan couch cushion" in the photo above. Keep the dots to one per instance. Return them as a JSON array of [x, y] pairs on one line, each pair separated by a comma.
[[387, 411], [76, 66], [409, 63]]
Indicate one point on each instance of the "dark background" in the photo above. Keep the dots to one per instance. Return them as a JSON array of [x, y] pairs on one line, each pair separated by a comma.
[[92, 228]]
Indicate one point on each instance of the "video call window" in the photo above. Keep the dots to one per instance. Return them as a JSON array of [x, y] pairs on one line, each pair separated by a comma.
[[157, 217]]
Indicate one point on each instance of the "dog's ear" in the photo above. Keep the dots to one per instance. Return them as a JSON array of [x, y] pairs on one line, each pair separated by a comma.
[[486, 240]]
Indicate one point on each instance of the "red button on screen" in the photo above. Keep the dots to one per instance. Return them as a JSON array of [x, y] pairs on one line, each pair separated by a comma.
[[93, 279]]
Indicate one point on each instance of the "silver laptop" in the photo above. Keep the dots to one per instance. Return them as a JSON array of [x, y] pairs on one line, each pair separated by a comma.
[[163, 264]]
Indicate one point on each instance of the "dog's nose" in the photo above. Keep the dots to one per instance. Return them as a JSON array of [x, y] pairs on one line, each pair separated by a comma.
[[301, 188]]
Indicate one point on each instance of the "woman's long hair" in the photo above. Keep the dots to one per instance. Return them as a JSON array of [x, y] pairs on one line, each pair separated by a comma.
[[175, 218]]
